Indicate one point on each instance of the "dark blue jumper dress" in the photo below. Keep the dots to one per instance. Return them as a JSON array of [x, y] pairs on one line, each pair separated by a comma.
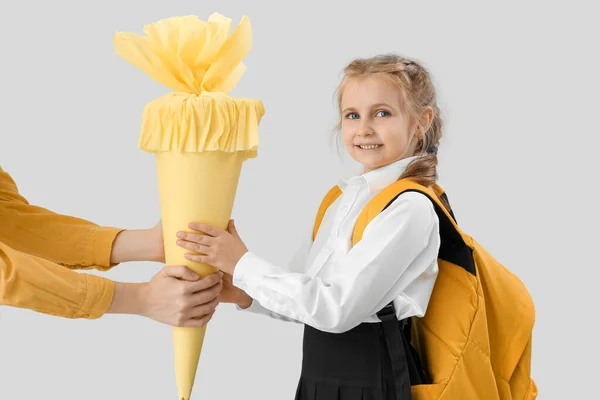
[[357, 364]]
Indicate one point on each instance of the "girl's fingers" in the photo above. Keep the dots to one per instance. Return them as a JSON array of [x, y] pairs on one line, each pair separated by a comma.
[[196, 238], [197, 247], [209, 230], [199, 258]]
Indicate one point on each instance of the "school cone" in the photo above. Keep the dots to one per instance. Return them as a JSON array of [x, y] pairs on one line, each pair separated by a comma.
[[199, 134]]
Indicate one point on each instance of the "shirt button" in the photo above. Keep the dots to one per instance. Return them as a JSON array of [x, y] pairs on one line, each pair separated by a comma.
[[345, 208]]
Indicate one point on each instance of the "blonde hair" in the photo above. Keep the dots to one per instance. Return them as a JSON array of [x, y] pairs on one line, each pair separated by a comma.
[[417, 93]]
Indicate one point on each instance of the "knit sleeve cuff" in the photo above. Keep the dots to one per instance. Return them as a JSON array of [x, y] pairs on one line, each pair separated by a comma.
[[97, 297], [103, 239]]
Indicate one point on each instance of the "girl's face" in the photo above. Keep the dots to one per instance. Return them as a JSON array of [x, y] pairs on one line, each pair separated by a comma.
[[375, 130]]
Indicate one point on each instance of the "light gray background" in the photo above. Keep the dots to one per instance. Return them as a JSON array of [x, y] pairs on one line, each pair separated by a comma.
[[518, 85]]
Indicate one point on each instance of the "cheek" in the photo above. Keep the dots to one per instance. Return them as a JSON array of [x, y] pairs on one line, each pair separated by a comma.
[[395, 142], [396, 148], [347, 135]]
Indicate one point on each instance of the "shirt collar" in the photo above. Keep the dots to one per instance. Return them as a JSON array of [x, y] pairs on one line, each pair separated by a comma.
[[381, 177]]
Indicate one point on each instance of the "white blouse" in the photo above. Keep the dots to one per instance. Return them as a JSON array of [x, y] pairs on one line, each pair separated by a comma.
[[333, 286]]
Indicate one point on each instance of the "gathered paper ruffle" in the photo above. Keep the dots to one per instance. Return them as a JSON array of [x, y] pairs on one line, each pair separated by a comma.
[[202, 64], [208, 122]]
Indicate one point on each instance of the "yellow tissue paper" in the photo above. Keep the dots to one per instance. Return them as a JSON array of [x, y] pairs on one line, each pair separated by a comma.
[[199, 134]]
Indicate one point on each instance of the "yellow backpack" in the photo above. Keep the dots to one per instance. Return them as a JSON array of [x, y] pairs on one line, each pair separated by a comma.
[[474, 342]]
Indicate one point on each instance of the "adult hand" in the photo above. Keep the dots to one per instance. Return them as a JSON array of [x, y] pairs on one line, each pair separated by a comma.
[[175, 296]]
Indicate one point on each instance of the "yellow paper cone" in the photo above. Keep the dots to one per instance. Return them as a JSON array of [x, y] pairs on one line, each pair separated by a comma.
[[200, 136]]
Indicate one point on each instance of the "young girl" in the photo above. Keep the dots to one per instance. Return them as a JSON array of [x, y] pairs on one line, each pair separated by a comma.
[[390, 124]]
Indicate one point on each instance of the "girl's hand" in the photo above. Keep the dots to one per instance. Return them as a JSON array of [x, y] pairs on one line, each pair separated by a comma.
[[233, 294], [175, 296], [216, 247]]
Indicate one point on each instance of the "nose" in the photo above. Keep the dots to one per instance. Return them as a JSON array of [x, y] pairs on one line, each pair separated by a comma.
[[365, 128]]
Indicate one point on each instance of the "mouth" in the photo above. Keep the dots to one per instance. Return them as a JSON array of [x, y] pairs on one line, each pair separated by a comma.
[[368, 146]]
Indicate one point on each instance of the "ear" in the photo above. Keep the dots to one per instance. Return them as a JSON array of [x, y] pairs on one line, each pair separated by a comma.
[[425, 120]]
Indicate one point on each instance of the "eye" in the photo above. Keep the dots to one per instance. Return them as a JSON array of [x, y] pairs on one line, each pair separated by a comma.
[[352, 115], [384, 112]]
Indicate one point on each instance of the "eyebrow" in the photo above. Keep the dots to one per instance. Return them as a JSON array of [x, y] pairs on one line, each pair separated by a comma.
[[382, 104], [372, 106]]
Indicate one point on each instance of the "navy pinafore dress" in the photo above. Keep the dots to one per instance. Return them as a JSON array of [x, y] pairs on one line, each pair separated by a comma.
[[357, 364]]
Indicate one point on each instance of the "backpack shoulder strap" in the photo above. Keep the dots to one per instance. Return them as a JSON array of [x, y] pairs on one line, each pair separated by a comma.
[[329, 198], [456, 246]]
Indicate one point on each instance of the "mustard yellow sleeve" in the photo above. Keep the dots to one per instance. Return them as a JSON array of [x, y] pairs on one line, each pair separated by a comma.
[[66, 240], [30, 282]]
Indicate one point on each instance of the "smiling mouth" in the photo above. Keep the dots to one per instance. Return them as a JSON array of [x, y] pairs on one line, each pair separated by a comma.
[[369, 146]]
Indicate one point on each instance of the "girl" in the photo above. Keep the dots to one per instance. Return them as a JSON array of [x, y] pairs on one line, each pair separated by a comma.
[[390, 124]]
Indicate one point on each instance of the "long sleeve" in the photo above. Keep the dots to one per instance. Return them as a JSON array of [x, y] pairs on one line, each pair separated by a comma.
[[395, 259], [296, 264], [30, 282], [65, 240]]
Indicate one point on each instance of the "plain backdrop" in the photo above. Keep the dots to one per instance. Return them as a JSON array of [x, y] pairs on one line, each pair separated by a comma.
[[518, 86]]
